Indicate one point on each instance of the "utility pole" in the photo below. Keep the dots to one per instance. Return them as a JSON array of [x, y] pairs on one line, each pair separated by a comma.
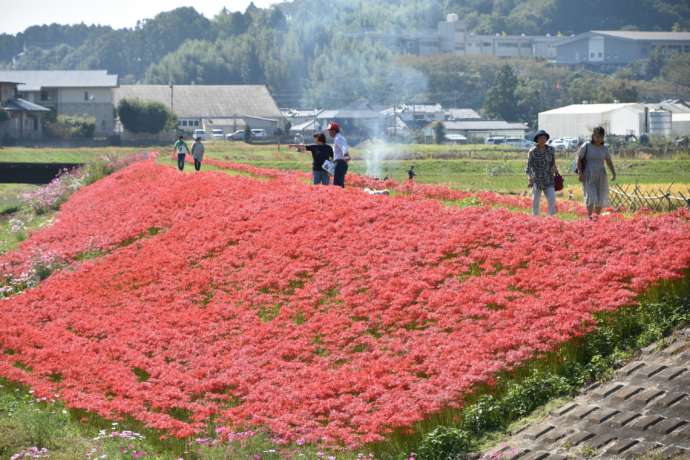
[[172, 108]]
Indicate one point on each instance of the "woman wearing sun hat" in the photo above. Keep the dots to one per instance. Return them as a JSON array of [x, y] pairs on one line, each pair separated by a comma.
[[541, 170]]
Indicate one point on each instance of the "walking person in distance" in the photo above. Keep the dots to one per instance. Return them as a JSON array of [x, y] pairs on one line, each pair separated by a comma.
[[182, 150], [541, 170], [197, 153], [591, 160]]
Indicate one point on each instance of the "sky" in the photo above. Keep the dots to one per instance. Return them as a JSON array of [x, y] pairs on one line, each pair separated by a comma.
[[17, 15]]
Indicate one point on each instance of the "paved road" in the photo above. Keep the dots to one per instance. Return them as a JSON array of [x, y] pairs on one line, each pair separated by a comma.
[[644, 409]]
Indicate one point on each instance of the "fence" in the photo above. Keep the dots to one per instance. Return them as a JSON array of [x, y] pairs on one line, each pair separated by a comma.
[[633, 198]]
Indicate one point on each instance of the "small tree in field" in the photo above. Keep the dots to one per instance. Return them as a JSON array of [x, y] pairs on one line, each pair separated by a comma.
[[140, 116], [439, 132]]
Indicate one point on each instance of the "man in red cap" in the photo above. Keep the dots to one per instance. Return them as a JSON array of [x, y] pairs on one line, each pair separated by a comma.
[[341, 154]]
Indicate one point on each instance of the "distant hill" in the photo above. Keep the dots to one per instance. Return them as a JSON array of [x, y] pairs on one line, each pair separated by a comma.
[[301, 48]]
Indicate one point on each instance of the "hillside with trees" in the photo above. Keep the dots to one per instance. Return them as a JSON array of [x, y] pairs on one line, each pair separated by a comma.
[[313, 52]]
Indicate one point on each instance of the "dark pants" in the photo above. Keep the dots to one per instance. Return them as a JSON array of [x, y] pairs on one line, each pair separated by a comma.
[[340, 171], [180, 161], [197, 164]]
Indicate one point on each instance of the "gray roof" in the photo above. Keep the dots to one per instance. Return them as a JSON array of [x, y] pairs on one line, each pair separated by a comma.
[[207, 101], [34, 80], [647, 36], [463, 114], [630, 35], [482, 125], [22, 105]]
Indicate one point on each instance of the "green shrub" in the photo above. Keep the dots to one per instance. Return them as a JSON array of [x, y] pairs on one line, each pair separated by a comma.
[[4, 115], [71, 127], [139, 116], [444, 443]]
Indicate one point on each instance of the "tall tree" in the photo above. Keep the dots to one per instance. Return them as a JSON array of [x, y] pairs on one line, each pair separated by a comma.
[[501, 100]]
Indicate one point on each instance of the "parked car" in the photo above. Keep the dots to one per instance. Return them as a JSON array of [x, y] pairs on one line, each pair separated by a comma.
[[558, 144], [217, 134], [200, 133], [495, 140], [259, 133], [519, 143], [236, 136]]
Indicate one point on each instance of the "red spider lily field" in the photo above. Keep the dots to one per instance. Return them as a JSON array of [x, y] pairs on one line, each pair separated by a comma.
[[322, 315]]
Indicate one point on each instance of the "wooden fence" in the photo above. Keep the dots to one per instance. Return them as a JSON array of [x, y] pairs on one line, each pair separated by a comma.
[[633, 198]]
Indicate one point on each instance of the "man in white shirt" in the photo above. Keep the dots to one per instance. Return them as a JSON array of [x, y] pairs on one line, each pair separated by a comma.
[[341, 154]]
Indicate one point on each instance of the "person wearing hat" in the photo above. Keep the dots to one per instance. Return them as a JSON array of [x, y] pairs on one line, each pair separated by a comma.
[[341, 154], [541, 170], [197, 153]]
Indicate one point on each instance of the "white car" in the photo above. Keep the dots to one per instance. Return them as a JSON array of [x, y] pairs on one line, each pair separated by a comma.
[[519, 143], [199, 133], [236, 136], [558, 144], [495, 140], [259, 133], [217, 134]]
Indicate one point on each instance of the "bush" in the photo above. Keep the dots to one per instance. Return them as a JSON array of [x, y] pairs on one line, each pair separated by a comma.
[[8, 140], [71, 127], [139, 116], [4, 115], [444, 443], [115, 140]]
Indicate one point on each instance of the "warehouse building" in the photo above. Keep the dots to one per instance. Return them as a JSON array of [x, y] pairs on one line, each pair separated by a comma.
[[578, 120]]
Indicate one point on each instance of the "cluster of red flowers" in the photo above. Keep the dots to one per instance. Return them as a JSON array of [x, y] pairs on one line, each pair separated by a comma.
[[322, 314]]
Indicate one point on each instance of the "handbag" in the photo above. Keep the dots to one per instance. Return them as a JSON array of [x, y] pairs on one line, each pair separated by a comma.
[[329, 167], [558, 182]]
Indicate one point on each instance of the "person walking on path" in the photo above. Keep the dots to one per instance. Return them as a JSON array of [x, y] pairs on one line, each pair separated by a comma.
[[197, 153], [591, 171], [541, 170], [182, 150], [341, 154], [411, 174]]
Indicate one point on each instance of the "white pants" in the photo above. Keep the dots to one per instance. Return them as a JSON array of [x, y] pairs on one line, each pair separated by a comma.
[[550, 193]]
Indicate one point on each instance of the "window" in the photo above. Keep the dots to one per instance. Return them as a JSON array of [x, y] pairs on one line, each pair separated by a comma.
[[600, 54], [184, 122], [44, 95], [592, 55], [86, 95], [196, 122]]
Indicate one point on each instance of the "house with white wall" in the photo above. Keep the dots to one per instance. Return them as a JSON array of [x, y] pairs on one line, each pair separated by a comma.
[[69, 92]]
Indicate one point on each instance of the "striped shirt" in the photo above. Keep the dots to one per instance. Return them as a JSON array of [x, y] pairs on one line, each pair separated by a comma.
[[541, 166]]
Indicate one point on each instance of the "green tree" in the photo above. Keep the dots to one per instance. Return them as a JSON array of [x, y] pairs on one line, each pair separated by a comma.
[[140, 116], [439, 132], [500, 98], [677, 70]]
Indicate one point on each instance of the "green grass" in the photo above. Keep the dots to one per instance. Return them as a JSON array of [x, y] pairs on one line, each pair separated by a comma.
[[10, 196]]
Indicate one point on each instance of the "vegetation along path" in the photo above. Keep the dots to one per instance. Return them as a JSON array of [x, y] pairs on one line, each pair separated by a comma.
[[643, 411]]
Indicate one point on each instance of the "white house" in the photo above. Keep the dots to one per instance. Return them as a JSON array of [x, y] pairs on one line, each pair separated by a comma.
[[69, 92], [578, 120]]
